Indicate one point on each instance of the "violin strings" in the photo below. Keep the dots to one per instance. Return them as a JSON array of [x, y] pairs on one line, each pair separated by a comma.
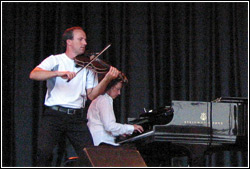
[[81, 63]]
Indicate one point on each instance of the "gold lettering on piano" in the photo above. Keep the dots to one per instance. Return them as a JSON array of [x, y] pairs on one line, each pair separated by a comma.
[[203, 117], [203, 122]]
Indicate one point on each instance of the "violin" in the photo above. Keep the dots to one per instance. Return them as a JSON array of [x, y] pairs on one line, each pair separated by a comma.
[[92, 61]]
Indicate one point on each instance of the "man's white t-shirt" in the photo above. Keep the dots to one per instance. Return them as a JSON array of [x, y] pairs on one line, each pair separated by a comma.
[[70, 94]]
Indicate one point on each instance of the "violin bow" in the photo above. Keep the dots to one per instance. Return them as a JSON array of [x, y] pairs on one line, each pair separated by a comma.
[[93, 59]]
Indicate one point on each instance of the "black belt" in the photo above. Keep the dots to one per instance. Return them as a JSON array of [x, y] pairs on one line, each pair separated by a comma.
[[69, 111]]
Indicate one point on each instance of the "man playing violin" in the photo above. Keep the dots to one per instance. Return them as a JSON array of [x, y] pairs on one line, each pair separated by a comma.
[[66, 95]]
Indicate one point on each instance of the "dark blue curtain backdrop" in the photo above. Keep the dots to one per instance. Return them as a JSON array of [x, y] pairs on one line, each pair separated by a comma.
[[169, 51]]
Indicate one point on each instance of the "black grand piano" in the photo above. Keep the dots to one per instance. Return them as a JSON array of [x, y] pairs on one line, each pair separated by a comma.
[[192, 128]]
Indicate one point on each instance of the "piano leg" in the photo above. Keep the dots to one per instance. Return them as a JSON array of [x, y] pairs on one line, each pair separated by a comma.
[[196, 154]]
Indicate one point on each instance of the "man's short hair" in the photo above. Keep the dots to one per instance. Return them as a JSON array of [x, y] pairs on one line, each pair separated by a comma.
[[68, 34]]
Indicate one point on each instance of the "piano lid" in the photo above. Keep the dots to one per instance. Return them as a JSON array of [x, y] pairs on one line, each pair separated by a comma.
[[220, 117], [199, 121]]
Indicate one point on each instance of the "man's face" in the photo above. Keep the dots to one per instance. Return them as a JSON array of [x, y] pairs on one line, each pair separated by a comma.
[[78, 43], [115, 90]]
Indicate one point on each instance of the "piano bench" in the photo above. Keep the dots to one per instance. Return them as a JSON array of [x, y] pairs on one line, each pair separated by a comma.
[[108, 156]]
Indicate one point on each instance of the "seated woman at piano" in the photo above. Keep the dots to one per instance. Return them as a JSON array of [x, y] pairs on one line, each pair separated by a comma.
[[101, 117]]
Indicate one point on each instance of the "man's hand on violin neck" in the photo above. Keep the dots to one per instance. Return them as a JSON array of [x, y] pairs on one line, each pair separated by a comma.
[[113, 73], [66, 74]]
